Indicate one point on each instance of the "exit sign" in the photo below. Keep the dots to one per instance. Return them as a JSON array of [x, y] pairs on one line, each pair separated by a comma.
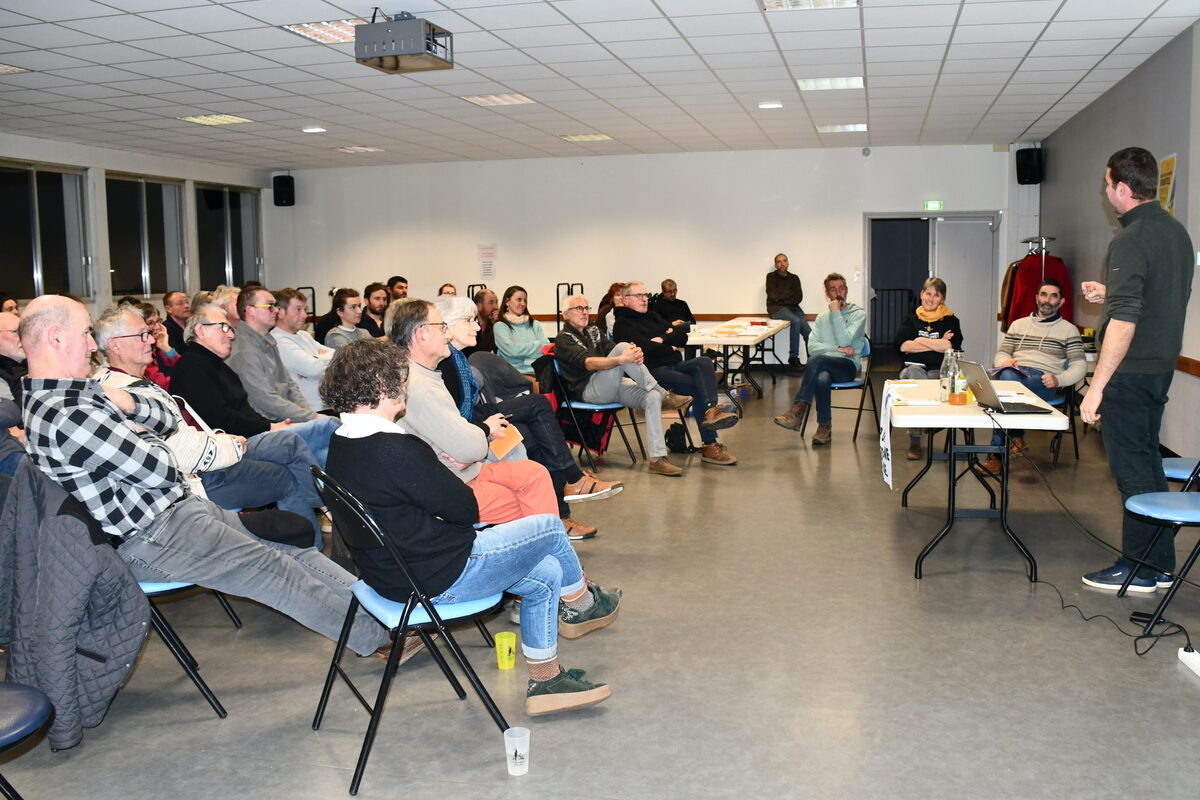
[[933, 205]]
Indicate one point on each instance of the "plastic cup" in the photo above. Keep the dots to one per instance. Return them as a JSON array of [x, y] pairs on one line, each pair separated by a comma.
[[506, 650], [516, 748]]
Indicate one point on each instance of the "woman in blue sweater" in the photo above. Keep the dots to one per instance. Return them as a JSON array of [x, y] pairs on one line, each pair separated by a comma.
[[519, 337]]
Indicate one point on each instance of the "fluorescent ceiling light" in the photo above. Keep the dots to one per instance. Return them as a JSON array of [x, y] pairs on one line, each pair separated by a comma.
[[857, 127], [797, 5], [770, 104], [586, 137], [335, 31], [313, 129], [9, 69], [214, 119], [498, 99], [828, 84], [359, 149]]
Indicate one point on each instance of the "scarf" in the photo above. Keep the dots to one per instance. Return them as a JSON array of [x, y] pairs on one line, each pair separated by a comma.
[[933, 316], [513, 319], [1056, 316], [466, 383]]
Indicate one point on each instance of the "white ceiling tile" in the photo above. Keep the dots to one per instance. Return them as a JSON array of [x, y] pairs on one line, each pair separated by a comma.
[[841, 55], [183, 46], [597, 81], [899, 17], [111, 53], [631, 31], [492, 58], [1145, 45], [579, 68], [303, 56], [60, 9], [721, 25], [1126, 62], [1025, 33], [232, 62], [500, 18], [827, 20], [1075, 47], [42, 60], [674, 80], [287, 12], [665, 64], [256, 38], [202, 19], [824, 40], [1106, 9], [33, 80], [47, 35], [1163, 26], [165, 68], [884, 37], [903, 53], [518, 73], [1021, 11], [1182, 8], [1097, 29], [568, 52], [97, 73], [606, 10], [987, 50]]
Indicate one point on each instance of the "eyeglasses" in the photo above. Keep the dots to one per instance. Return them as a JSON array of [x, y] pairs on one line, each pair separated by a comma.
[[638, 296], [145, 336], [263, 305], [580, 308], [441, 325], [224, 326]]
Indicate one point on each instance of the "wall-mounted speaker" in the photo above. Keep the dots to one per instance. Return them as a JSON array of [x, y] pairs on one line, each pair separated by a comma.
[[1030, 165], [284, 187]]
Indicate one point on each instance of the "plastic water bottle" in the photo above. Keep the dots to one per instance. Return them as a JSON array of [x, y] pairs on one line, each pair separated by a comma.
[[946, 376], [958, 393]]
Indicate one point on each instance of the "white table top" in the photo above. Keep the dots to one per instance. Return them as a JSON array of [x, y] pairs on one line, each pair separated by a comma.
[[944, 415], [736, 332]]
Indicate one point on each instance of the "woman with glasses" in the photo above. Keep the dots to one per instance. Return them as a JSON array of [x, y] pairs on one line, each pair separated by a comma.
[[347, 305], [519, 337], [163, 354]]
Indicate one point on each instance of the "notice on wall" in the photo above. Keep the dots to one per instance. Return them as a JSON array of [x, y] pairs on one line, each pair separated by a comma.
[[1166, 182], [487, 262]]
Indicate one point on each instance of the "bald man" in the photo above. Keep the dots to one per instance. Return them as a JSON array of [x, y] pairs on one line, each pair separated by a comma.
[[104, 446]]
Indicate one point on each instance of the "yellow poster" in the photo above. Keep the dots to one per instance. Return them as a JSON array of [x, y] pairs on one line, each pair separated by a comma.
[[1166, 183]]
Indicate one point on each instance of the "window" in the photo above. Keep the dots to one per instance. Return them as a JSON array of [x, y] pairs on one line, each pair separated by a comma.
[[227, 224], [42, 229], [145, 236]]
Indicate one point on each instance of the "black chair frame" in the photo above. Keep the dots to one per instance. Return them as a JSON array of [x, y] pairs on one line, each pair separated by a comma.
[[1068, 408], [867, 389], [361, 531], [560, 394], [1191, 481]]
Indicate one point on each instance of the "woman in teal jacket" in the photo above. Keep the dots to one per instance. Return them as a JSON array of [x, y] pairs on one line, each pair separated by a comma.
[[519, 337]]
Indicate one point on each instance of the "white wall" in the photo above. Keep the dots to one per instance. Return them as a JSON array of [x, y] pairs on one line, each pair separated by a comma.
[[712, 221]]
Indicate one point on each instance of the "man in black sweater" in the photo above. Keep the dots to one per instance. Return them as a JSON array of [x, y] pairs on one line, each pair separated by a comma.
[[696, 376]]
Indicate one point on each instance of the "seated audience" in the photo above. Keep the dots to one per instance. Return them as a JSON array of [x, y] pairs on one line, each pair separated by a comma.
[[209, 385], [605, 318], [347, 305], [923, 337], [397, 288], [304, 358], [226, 298], [1042, 351], [200, 298], [668, 305], [177, 309], [430, 517], [376, 301], [597, 370], [12, 370], [447, 288], [519, 337], [104, 447], [694, 377], [530, 413], [163, 356], [8, 305], [835, 349], [784, 295], [487, 310], [505, 490]]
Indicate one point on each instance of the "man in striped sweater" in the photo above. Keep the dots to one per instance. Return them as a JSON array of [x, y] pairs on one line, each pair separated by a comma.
[[1042, 351]]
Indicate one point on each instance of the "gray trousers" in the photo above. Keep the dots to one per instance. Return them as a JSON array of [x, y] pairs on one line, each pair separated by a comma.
[[199, 542], [918, 373], [632, 386]]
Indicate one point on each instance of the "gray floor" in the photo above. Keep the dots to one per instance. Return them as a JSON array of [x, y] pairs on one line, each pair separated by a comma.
[[773, 643]]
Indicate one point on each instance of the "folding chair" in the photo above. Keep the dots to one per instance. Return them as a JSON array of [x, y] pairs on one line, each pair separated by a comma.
[[607, 410], [1066, 402], [23, 711], [862, 382], [1180, 470], [1168, 510], [417, 613]]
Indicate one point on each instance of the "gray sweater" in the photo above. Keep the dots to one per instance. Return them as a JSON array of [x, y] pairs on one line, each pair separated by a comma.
[[268, 384], [433, 416]]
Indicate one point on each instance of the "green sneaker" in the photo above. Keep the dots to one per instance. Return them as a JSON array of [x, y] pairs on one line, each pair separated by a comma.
[[572, 624], [564, 692]]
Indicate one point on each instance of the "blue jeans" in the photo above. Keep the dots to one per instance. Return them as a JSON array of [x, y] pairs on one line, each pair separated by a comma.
[[823, 371], [316, 433], [695, 377], [530, 557], [1031, 380], [196, 541], [799, 327]]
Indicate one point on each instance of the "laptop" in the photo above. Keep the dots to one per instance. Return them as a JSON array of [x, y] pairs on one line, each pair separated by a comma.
[[985, 392]]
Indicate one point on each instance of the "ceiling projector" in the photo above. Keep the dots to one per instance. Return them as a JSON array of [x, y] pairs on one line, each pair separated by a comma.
[[403, 44]]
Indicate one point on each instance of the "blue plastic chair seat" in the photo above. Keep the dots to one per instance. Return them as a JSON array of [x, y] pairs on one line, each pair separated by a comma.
[[1172, 508], [1178, 469], [389, 611], [582, 406], [152, 588], [23, 710], [1057, 400]]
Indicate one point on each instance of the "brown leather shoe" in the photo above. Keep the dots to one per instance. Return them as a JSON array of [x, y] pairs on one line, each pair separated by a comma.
[[992, 466], [793, 417], [413, 644], [823, 435], [674, 402], [662, 466], [716, 419], [1016, 446], [915, 452], [717, 453], [577, 530], [589, 487]]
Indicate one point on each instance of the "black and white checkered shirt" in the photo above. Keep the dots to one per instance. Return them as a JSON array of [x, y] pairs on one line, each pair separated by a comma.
[[75, 434]]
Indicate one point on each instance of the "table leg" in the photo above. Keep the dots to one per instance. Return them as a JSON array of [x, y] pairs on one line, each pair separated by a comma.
[[928, 463], [952, 482], [1004, 516], [758, 390]]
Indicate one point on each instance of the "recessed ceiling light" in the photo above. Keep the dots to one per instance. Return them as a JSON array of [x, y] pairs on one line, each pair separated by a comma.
[[770, 104], [313, 129], [498, 99], [9, 69], [828, 84], [359, 149], [585, 137], [797, 5], [335, 31], [857, 127], [214, 119]]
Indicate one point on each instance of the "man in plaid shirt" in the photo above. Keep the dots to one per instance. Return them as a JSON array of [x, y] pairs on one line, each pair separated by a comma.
[[103, 446]]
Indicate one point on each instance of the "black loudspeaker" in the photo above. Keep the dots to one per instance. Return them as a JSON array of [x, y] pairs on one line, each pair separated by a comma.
[[1030, 167], [284, 187]]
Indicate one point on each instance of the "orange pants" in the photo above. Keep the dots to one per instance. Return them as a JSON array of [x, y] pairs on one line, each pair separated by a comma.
[[508, 490]]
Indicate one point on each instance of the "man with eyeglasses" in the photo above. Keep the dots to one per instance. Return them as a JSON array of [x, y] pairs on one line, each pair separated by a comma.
[[597, 370], [206, 381], [104, 446], [12, 369]]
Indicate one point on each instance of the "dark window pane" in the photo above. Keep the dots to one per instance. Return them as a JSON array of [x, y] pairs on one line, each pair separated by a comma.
[[124, 236], [210, 224], [155, 237], [235, 235], [52, 220], [16, 255]]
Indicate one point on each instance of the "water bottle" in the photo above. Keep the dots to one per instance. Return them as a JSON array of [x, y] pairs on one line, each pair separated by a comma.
[[958, 393], [946, 376]]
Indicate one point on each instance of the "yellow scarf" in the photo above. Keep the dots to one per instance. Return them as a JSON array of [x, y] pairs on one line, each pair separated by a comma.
[[933, 316]]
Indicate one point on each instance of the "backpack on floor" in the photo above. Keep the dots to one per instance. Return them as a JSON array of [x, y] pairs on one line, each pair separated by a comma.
[[676, 439]]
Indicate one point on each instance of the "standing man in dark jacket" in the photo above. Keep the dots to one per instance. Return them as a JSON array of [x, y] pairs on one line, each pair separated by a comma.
[[696, 376], [784, 295], [1149, 279]]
